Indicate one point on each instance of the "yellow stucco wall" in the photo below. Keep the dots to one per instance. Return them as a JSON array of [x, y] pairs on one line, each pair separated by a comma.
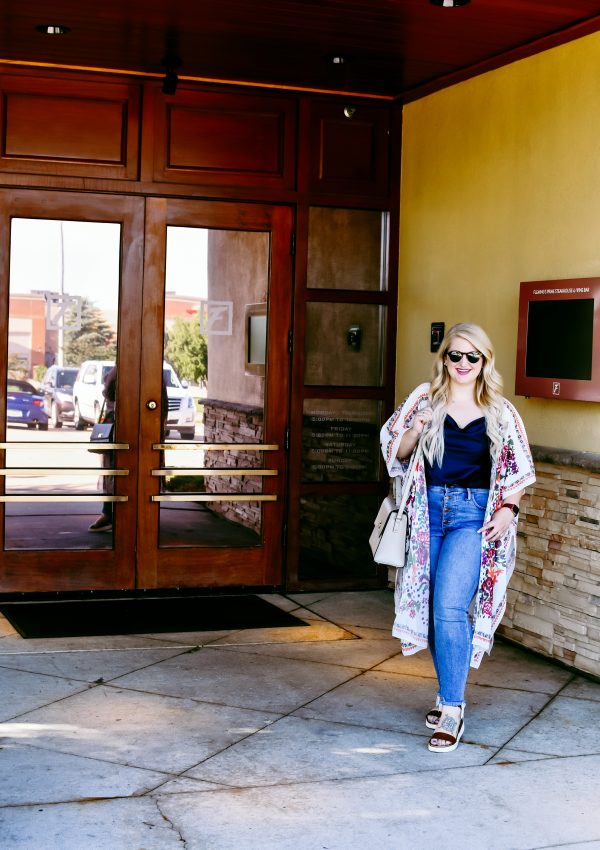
[[501, 184]]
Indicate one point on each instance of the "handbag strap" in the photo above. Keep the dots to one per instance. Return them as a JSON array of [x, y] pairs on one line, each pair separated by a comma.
[[406, 485]]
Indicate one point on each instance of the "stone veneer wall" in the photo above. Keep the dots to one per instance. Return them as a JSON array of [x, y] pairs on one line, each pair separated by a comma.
[[554, 595], [225, 422]]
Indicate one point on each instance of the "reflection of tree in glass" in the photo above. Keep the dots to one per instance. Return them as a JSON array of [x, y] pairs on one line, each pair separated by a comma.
[[17, 366], [186, 349], [95, 340]]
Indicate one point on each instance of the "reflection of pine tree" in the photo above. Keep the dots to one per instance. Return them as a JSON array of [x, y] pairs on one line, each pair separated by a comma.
[[95, 339], [186, 349]]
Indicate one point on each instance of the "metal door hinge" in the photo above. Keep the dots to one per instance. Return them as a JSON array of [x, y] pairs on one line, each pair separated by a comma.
[[284, 536], [286, 439], [293, 244], [290, 341]]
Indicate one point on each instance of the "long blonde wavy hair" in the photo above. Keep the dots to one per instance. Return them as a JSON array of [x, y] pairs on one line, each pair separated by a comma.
[[488, 390]]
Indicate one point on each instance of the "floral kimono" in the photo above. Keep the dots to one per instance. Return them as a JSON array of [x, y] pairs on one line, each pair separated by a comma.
[[513, 470]]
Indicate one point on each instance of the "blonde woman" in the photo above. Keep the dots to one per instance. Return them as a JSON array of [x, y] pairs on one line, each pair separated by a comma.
[[463, 510]]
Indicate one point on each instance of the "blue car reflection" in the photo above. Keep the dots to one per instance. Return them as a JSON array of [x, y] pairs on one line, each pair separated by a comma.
[[24, 405]]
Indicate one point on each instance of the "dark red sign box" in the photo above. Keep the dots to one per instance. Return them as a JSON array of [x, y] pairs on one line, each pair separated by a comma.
[[558, 388]]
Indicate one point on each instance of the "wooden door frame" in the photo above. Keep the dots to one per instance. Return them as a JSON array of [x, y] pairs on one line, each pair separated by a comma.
[[216, 567], [300, 392], [67, 570]]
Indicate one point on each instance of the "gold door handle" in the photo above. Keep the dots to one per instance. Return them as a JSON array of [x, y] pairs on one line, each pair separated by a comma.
[[216, 471], [222, 497], [214, 447], [26, 497], [55, 470], [23, 445]]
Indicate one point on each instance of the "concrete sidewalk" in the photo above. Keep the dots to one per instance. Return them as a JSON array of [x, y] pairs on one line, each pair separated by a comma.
[[304, 738]]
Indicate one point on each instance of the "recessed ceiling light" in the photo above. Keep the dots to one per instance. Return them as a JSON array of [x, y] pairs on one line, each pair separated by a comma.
[[338, 60], [53, 29], [449, 2]]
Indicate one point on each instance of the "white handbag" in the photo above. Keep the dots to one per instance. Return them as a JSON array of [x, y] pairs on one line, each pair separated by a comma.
[[390, 538]]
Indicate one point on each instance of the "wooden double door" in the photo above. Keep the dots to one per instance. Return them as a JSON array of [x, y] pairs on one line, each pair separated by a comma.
[[170, 321]]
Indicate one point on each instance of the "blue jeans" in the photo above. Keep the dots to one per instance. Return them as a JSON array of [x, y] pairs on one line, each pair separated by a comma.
[[455, 514]]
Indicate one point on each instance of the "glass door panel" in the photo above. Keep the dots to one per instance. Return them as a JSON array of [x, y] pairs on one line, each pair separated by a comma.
[[214, 368], [215, 395], [69, 263], [62, 343]]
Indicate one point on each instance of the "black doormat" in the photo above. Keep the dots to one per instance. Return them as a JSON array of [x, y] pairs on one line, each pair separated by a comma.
[[144, 616]]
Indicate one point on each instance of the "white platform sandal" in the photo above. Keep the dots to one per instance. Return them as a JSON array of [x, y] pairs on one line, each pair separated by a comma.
[[432, 718], [449, 730]]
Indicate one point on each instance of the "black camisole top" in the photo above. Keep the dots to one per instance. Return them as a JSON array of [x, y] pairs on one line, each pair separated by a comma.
[[466, 461]]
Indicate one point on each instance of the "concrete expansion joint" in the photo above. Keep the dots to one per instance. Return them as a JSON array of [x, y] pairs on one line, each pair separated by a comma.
[[259, 646], [533, 717], [308, 608], [169, 776], [172, 826], [51, 702]]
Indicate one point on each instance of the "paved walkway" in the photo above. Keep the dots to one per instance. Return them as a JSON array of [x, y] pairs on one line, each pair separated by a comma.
[[304, 738]]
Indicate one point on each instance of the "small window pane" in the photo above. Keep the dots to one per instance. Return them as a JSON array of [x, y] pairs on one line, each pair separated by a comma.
[[334, 536], [346, 249], [340, 440], [344, 344]]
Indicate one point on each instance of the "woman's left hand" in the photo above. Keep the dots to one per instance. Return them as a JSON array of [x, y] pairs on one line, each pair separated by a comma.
[[496, 527]]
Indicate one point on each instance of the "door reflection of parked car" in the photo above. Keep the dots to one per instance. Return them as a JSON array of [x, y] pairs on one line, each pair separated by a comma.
[[57, 389], [87, 392], [25, 405], [88, 398], [181, 415]]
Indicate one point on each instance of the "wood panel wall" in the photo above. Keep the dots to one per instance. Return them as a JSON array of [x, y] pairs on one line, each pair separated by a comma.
[[114, 137], [349, 147], [68, 127], [259, 142], [225, 139]]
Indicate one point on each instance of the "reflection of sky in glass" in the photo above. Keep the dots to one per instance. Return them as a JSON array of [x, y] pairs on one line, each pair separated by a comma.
[[91, 259], [186, 261]]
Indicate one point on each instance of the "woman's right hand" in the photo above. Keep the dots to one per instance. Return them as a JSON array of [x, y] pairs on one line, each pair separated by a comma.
[[422, 418], [411, 437]]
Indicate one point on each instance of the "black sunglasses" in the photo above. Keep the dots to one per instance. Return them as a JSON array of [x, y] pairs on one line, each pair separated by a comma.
[[457, 356]]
